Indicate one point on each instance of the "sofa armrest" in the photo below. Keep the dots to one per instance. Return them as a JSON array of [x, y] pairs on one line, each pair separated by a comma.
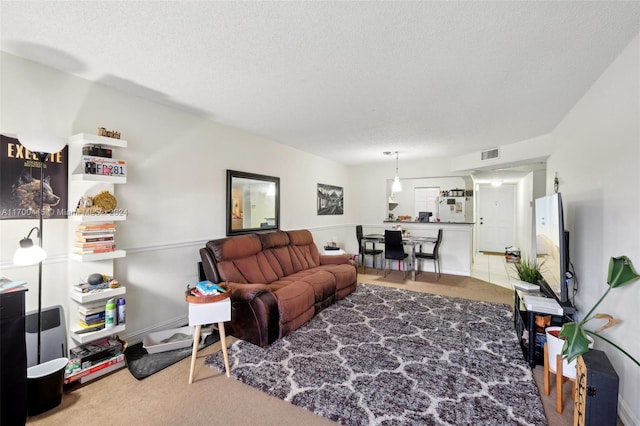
[[254, 313], [327, 259], [247, 292]]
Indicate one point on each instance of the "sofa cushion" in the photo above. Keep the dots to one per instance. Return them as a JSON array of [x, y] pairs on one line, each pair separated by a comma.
[[345, 274], [323, 282], [304, 253], [240, 259], [275, 247]]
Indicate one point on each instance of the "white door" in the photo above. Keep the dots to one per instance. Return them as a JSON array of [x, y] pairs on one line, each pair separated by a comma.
[[496, 217]]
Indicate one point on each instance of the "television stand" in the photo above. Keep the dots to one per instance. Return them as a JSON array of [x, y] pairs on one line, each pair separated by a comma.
[[524, 320], [568, 308]]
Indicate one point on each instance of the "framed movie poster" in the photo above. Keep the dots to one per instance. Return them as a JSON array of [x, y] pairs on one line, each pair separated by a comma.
[[330, 199], [20, 183]]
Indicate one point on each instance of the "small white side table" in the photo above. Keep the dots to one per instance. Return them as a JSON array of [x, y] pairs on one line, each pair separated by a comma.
[[204, 312]]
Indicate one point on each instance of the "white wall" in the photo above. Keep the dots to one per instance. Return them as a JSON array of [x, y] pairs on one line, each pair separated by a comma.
[[526, 151], [597, 152], [370, 182], [175, 193], [524, 216], [405, 199]]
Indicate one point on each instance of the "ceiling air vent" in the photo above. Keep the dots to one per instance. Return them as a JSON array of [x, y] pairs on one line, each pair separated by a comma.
[[490, 154]]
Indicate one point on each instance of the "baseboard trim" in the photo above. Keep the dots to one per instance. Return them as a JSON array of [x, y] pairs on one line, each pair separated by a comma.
[[138, 336]]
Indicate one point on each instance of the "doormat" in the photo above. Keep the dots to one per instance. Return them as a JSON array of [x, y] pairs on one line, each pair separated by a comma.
[[142, 364]]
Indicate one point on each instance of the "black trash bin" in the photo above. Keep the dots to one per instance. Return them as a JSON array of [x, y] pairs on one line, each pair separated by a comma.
[[44, 385]]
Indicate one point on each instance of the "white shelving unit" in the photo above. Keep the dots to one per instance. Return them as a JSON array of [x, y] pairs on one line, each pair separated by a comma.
[[97, 256], [81, 266], [97, 218], [107, 293], [94, 335]]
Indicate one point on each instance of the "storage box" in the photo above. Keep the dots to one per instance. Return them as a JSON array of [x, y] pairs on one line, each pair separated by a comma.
[[168, 340], [96, 351], [512, 254]]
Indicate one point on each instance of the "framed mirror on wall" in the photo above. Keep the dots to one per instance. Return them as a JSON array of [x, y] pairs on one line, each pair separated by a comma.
[[253, 203]]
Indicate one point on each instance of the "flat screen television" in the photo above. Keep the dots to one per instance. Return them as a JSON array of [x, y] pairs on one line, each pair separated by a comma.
[[552, 247]]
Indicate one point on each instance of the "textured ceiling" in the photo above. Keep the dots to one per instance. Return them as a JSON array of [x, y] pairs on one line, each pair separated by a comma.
[[343, 80]]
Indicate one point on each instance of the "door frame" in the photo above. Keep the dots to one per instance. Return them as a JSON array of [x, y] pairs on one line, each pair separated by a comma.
[[478, 193]]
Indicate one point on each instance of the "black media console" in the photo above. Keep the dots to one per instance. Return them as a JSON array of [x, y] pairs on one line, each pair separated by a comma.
[[524, 321]]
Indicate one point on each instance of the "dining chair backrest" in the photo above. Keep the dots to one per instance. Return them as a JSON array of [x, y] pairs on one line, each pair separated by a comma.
[[437, 244], [359, 237], [393, 248]]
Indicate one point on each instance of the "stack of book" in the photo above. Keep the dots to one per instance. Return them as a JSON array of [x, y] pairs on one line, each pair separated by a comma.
[[91, 317], [95, 238], [95, 359], [206, 288]]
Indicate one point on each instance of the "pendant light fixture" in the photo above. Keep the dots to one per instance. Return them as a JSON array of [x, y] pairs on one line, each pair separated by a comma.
[[397, 186]]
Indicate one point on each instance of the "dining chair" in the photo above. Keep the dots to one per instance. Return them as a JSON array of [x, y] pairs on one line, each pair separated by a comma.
[[434, 255], [394, 250], [364, 250]]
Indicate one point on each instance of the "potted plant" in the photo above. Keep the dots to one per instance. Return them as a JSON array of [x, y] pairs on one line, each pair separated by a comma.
[[529, 271], [621, 272]]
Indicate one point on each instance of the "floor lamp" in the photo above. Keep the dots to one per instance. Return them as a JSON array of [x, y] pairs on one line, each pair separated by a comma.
[[28, 254]]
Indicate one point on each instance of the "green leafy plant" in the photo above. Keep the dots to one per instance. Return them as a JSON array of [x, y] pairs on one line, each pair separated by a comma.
[[621, 272], [529, 271]]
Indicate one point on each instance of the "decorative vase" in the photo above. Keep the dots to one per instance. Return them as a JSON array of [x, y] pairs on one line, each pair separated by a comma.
[[554, 347]]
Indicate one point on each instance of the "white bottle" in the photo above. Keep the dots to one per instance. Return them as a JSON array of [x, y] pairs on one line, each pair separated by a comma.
[[110, 314]]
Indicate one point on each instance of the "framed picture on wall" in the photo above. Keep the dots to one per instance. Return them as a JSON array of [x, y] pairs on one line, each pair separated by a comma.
[[330, 199], [20, 184]]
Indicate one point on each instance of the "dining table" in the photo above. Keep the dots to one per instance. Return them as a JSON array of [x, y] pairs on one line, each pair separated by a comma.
[[412, 241]]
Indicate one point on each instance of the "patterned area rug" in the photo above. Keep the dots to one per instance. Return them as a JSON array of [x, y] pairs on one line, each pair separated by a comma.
[[386, 356]]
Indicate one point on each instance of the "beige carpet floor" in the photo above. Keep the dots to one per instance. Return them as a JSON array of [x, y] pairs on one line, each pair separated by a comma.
[[166, 398]]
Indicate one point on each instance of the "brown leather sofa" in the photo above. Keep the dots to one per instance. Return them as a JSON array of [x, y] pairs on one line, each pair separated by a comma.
[[278, 281]]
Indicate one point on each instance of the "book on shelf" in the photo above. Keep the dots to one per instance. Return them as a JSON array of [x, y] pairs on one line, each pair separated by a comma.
[[93, 319], [93, 238], [90, 329], [86, 287], [89, 310], [96, 245], [97, 324], [93, 251], [97, 227], [76, 374], [96, 233]]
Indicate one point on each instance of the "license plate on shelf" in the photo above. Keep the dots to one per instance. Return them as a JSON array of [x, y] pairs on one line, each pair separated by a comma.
[[104, 166]]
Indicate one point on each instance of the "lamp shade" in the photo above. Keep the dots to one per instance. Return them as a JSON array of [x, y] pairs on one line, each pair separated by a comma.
[[29, 255], [35, 142], [397, 186]]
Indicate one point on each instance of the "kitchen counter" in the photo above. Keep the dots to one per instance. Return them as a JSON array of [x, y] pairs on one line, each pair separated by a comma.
[[456, 249]]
